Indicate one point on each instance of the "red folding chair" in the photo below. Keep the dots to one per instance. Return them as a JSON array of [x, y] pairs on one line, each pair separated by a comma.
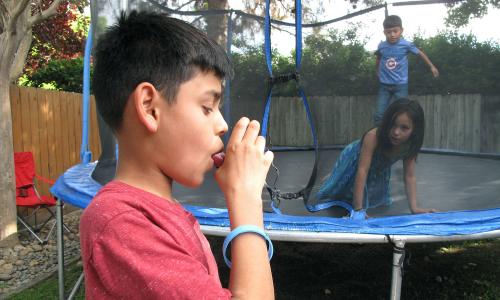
[[27, 196]]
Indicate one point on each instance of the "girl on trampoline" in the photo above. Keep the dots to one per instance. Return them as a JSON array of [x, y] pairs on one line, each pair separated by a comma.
[[362, 173]]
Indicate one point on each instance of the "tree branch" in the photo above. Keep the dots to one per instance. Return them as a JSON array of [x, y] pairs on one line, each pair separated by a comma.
[[17, 66], [21, 6], [42, 16], [3, 16], [185, 4]]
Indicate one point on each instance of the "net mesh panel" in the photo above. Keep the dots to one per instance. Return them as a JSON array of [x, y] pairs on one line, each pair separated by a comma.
[[338, 120]]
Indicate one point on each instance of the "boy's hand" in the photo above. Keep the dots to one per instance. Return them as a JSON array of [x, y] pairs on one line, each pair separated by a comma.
[[435, 71], [243, 173]]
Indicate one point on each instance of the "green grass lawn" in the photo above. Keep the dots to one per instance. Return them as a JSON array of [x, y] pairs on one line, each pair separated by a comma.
[[48, 289], [459, 270]]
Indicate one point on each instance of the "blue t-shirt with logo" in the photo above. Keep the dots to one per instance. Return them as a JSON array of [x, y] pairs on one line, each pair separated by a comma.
[[393, 67]]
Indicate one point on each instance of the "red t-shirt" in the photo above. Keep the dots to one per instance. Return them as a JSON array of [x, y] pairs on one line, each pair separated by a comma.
[[136, 245]]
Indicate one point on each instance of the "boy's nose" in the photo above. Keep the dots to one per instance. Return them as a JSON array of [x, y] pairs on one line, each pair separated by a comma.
[[221, 126]]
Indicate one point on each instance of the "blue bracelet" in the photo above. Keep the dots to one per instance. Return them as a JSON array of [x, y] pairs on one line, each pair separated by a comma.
[[244, 229], [358, 215]]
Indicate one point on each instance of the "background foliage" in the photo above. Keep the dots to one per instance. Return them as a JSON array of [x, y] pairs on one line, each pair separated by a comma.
[[338, 64], [465, 65], [56, 42], [335, 63], [60, 74]]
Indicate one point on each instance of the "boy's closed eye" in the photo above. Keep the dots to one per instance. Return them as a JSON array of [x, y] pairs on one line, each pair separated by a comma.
[[207, 109], [212, 103]]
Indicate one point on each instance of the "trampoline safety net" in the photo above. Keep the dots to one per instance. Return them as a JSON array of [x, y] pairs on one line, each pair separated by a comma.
[[317, 93]]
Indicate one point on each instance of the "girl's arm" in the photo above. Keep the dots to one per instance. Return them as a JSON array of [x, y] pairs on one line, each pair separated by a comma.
[[411, 187], [369, 143]]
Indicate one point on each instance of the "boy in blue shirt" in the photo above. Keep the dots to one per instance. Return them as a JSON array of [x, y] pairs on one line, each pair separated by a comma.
[[392, 65]]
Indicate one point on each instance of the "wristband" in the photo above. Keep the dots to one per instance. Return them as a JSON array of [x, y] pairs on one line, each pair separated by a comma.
[[358, 215], [245, 229]]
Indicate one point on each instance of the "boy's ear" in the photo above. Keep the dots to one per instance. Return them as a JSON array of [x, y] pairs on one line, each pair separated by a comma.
[[145, 97]]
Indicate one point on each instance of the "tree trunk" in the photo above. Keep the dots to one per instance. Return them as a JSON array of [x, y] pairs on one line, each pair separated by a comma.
[[8, 211], [217, 25], [12, 53], [10, 38], [16, 22]]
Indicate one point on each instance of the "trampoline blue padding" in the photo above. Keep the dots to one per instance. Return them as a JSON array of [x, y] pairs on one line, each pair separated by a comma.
[[77, 188]]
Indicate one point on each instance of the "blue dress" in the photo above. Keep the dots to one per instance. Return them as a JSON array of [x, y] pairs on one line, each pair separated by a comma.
[[340, 184]]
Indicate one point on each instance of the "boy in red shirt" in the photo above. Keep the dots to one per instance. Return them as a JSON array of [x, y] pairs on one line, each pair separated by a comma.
[[158, 84]]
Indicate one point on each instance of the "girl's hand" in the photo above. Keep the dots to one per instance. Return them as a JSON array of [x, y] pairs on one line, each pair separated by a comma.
[[419, 210], [243, 173]]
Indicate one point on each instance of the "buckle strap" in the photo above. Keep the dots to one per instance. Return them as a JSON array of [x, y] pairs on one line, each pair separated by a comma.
[[282, 78]]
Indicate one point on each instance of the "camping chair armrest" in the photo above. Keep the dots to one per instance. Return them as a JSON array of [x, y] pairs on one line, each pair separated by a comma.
[[46, 180]]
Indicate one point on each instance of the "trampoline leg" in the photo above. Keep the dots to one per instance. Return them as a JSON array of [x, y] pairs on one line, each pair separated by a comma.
[[76, 287], [60, 249], [398, 258]]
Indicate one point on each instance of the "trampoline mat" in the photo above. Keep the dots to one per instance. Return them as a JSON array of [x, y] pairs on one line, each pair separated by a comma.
[[464, 189], [444, 182]]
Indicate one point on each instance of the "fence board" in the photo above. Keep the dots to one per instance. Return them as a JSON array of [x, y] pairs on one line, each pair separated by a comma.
[[428, 113], [25, 119], [16, 115], [77, 121], [43, 139], [341, 120], [476, 124], [490, 124], [65, 134], [58, 128], [71, 137], [51, 145], [35, 141], [94, 142]]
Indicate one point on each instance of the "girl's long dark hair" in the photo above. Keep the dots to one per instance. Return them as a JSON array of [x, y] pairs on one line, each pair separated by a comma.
[[415, 113]]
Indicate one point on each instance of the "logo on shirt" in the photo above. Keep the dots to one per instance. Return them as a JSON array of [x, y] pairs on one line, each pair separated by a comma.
[[391, 63]]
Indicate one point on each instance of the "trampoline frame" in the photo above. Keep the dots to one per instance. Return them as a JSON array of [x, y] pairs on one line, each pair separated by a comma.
[[398, 242]]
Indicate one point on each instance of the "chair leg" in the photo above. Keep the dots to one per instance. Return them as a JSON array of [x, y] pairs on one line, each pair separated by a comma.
[[37, 227], [31, 230], [67, 229], [35, 230], [54, 216], [49, 234], [76, 287]]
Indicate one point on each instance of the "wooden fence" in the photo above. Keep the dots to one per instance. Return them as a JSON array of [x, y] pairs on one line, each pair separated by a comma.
[[49, 124]]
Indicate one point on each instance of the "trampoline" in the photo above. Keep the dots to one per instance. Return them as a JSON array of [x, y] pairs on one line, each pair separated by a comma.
[[468, 205], [463, 186], [477, 196]]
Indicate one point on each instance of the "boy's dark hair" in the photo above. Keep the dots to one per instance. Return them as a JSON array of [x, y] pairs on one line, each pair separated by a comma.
[[150, 47], [415, 113], [392, 21]]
